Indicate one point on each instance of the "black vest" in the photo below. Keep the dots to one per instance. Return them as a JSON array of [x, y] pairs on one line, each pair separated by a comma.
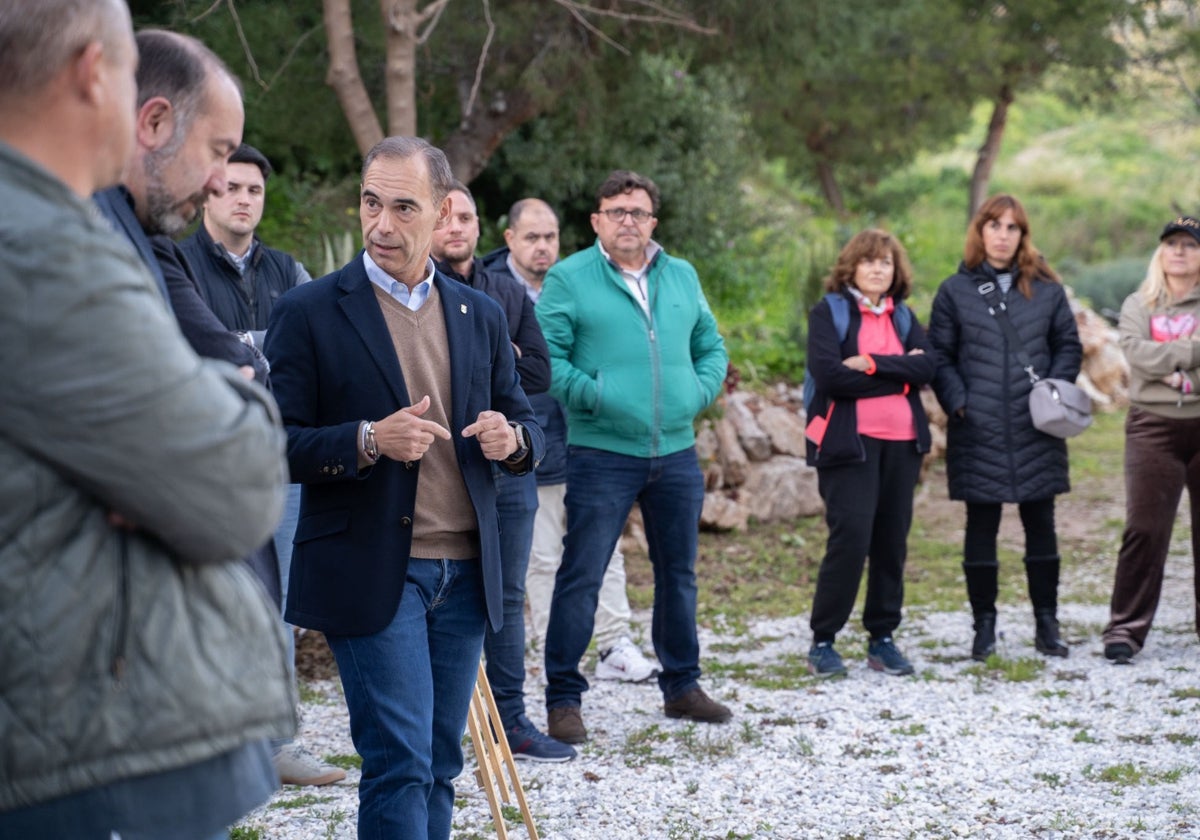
[[241, 302]]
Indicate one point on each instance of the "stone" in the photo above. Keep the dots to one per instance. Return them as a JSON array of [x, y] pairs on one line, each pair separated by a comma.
[[783, 488], [785, 428], [722, 513], [734, 462], [740, 410]]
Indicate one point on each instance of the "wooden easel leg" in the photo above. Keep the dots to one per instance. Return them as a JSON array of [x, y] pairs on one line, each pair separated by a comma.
[[495, 757]]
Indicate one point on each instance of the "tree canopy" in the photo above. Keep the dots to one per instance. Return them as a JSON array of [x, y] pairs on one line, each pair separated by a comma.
[[844, 92]]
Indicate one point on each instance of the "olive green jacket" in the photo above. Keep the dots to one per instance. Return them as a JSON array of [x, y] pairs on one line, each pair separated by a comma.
[[137, 644]]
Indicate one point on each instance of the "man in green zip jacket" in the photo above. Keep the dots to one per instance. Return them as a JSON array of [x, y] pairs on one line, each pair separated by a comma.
[[634, 356]]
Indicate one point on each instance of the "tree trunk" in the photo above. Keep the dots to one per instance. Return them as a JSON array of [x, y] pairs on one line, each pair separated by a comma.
[[401, 21], [989, 151], [830, 188], [471, 145], [344, 78]]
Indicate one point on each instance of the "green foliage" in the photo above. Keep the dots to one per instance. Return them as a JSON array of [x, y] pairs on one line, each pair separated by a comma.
[[855, 87], [302, 214], [682, 128], [1105, 285], [291, 114]]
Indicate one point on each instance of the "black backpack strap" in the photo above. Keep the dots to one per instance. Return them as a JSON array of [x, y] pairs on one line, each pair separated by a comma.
[[999, 311]]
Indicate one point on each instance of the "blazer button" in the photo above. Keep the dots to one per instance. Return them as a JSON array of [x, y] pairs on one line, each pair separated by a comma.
[[408, 465], [325, 470], [406, 521]]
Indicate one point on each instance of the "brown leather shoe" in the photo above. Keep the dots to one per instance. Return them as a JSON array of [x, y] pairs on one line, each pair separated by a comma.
[[565, 723], [698, 706]]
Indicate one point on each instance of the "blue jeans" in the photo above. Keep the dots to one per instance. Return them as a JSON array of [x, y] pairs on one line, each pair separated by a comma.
[[285, 532], [516, 507], [601, 489], [408, 688]]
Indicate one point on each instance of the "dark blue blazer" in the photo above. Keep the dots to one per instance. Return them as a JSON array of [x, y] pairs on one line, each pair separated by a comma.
[[333, 365]]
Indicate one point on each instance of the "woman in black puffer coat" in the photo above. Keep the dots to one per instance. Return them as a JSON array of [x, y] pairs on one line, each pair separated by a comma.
[[994, 454]]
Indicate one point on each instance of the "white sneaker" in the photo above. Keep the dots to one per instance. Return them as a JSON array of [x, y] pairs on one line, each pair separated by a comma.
[[297, 766], [623, 661]]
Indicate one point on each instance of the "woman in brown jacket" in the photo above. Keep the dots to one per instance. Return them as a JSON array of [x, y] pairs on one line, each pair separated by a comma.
[[1161, 339]]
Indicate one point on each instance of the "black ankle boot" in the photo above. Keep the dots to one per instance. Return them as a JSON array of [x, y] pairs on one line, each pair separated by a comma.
[[985, 637], [1046, 639]]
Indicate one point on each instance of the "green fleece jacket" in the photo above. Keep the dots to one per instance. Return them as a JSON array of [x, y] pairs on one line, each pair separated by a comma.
[[632, 383]]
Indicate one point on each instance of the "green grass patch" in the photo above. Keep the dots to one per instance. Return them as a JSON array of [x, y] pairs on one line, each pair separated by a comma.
[[1021, 669], [1128, 774], [303, 801], [346, 762], [246, 832]]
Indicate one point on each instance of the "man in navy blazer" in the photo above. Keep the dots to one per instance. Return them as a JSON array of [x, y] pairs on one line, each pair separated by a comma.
[[399, 391]]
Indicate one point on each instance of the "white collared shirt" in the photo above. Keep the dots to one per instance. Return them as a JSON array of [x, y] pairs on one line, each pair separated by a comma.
[[414, 299], [636, 280]]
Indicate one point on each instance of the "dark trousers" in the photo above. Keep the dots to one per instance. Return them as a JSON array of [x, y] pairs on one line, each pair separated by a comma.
[[980, 563], [868, 509], [983, 525], [516, 506], [1162, 456]]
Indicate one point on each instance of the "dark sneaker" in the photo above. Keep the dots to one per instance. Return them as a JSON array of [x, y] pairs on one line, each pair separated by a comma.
[[565, 724], [824, 661], [527, 744], [883, 655], [698, 706], [1119, 653]]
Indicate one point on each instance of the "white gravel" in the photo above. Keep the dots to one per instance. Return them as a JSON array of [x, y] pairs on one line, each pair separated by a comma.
[[1083, 750]]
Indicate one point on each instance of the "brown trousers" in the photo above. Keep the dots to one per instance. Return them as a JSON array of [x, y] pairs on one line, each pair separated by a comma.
[[1162, 456]]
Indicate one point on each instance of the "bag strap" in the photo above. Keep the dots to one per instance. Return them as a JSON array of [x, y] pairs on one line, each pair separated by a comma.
[[999, 311]]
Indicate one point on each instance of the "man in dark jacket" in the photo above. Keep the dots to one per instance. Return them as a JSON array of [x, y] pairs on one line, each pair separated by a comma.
[[174, 168], [189, 105], [399, 392], [516, 505], [240, 278]]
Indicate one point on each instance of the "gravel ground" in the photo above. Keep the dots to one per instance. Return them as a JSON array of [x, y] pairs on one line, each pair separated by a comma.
[[1050, 749]]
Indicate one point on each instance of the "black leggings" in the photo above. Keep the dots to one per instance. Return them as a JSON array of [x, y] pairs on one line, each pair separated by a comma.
[[983, 524]]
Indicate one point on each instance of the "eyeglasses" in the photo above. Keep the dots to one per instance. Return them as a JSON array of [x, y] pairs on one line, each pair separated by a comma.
[[618, 214]]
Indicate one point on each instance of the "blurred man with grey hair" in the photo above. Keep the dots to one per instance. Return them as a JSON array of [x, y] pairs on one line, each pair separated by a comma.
[[141, 668]]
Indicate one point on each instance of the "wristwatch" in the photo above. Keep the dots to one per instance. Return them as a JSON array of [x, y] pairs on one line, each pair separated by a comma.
[[522, 443]]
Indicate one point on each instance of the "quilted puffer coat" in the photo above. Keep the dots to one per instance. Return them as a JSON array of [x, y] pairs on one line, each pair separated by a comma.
[[993, 452], [125, 650]]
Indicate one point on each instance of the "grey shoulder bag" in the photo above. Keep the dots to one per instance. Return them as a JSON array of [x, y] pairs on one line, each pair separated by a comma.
[[1058, 407]]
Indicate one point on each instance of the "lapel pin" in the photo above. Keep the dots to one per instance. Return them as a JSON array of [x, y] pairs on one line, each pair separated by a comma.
[[462, 307]]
